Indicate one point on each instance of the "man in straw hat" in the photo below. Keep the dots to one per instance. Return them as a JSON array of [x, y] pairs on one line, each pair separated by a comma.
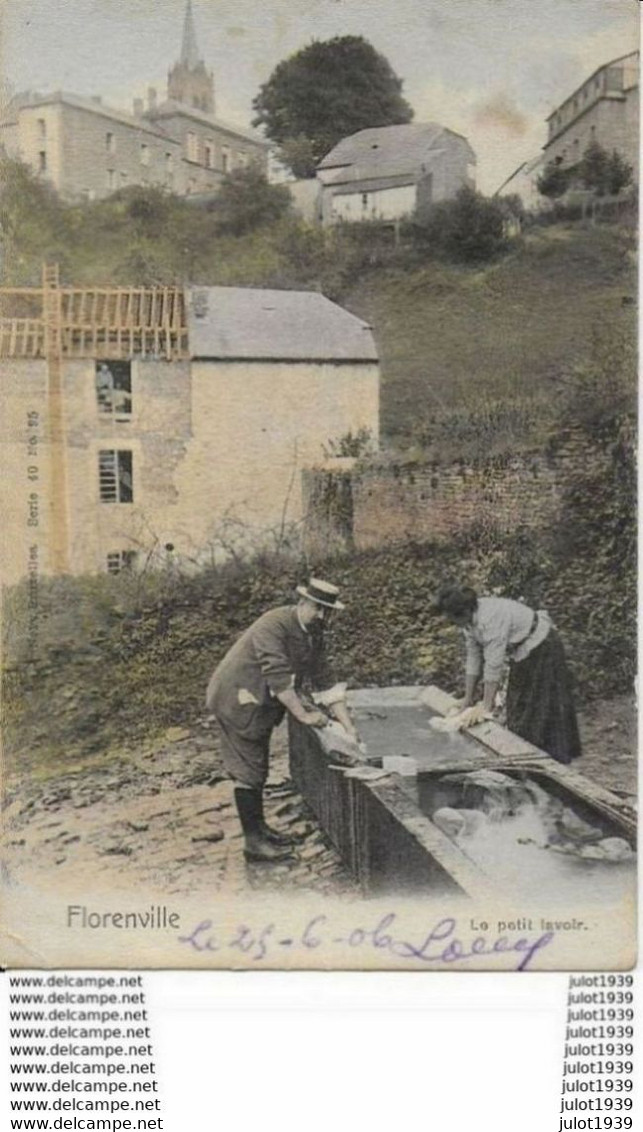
[[267, 672]]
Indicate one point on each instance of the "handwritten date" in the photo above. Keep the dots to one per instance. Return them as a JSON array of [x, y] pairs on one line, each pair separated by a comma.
[[440, 943]]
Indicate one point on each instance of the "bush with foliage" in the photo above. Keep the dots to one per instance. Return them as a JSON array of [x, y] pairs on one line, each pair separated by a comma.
[[554, 180], [246, 201], [487, 427], [603, 172], [468, 229], [353, 444], [34, 224]]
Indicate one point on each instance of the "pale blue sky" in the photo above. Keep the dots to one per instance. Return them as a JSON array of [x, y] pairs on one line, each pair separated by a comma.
[[492, 69]]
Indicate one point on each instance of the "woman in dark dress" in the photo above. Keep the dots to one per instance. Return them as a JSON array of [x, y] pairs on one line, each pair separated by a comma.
[[540, 704]]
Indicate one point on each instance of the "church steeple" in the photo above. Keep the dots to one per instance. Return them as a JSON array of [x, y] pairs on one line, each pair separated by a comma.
[[189, 81], [189, 49]]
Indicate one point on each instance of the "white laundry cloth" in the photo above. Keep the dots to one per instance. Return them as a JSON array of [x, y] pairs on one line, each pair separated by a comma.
[[336, 738], [468, 717], [334, 695]]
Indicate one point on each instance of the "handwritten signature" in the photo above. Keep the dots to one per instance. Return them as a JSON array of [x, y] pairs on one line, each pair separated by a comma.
[[440, 944]]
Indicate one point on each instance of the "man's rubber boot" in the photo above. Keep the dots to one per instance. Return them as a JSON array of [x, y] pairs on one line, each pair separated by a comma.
[[259, 847], [274, 835]]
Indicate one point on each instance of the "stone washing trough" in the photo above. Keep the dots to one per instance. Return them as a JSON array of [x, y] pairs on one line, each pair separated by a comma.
[[419, 816]]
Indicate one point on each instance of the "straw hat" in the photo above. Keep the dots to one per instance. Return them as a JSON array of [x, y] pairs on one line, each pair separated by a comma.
[[322, 593]]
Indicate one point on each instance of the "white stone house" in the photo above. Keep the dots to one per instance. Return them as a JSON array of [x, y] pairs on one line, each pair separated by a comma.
[[387, 172]]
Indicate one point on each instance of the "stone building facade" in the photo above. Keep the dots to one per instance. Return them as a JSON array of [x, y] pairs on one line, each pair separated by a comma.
[[604, 109], [88, 150], [178, 446]]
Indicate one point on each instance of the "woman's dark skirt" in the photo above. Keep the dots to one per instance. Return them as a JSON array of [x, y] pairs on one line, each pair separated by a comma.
[[540, 704]]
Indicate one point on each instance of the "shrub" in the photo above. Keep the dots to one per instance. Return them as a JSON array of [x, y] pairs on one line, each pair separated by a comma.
[[554, 180], [489, 426], [356, 444], [604, 172], [247, 201], [34, 225], [620, 173], [470, 228]]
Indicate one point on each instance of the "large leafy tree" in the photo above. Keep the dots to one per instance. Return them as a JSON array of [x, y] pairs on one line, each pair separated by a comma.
[[325, 92]]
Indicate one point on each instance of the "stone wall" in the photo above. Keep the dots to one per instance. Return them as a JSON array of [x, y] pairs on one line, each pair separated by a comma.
[[368, 506]]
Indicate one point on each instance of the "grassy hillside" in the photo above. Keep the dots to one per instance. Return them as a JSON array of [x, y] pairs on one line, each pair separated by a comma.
[[463, 338], [473, 358]]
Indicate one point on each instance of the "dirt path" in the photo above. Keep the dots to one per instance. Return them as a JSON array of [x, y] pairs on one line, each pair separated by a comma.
[[164, 817]]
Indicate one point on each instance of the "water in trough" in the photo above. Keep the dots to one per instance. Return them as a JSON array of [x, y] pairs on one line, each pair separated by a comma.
[[405, 729], [520, 832]]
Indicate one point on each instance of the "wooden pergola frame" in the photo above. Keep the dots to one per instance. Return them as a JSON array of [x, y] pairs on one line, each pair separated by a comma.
[[92, 322]]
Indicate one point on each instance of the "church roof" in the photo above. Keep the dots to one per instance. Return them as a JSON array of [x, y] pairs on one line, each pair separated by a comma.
[[244, 323]]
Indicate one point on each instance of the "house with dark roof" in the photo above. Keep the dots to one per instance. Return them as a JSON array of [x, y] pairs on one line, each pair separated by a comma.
[[184, 419], [387, 172]]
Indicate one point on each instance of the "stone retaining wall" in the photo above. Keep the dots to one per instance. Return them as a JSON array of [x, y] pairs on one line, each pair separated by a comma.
[[368, 506]]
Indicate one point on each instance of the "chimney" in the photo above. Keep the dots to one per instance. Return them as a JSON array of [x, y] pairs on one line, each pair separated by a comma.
[[151, 98], [139, 107]]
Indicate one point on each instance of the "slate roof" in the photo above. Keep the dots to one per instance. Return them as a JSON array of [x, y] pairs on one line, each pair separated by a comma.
[[94, 106], [603, 67], [170, 108], [387, 151], [150, 121], [259, 324]]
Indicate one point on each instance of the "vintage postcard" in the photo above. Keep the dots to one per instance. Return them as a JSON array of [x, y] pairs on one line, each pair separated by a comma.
[[318, 364]]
